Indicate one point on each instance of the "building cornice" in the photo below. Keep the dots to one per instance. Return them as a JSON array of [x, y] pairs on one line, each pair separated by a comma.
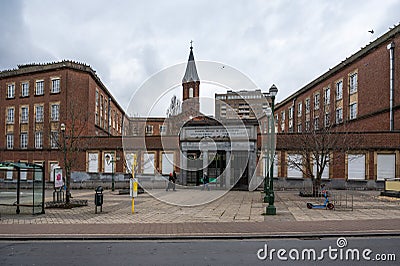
[[31, 68]]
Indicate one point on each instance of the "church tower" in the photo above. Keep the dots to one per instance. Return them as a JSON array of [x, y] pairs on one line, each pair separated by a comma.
[[191, 86]]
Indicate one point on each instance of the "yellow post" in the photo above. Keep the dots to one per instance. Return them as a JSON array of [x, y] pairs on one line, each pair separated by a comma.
[[133, 183]]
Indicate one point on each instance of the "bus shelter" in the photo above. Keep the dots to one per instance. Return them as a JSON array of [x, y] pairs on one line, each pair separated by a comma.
[[22, 185]]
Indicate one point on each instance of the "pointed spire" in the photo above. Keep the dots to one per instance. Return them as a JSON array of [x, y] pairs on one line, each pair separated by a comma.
[[191, 71]]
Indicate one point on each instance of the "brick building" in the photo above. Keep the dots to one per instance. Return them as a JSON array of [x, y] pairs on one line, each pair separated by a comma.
[[178, 142], [244, 104], [358, 99], [35, 99]]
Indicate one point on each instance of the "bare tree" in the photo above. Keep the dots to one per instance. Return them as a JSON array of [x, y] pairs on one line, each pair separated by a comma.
[[71, 138], [315, 149], [174, 107]]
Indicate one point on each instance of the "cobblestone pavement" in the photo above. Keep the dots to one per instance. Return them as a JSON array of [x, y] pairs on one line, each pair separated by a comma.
[[236, 214], [235, 206]]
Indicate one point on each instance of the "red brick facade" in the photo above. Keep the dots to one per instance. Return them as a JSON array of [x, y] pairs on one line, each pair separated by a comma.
[[45, 96], [365, 107]]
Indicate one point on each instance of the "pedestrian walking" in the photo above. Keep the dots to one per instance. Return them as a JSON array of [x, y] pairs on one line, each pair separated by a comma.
[[171, 182], [206, 180]]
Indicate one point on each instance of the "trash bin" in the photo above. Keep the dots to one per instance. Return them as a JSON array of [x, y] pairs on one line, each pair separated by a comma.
[[98, 198]]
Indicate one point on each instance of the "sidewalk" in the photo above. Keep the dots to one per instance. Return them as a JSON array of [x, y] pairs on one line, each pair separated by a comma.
[[236, 214]]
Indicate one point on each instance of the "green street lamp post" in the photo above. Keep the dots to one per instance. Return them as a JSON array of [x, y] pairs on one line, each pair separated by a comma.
[[271, 209], [66, 166], [268, 113], [112, 161]]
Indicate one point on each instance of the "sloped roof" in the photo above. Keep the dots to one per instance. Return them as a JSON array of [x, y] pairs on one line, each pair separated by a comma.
[[191, 71], [372, 46]]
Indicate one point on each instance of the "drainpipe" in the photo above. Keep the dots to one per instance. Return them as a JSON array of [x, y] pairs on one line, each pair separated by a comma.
[[391, 48], [109, 118]]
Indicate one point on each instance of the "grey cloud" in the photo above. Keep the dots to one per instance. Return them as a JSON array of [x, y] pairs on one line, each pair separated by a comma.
[[288, 43]]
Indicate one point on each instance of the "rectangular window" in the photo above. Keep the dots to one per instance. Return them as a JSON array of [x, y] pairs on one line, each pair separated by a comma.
[[105, 113], [163, 130], [117, 121], [10, 115], [283, 116], [101, 110], [110, 118], [55, 112], [97, 118], [10, 91], [327, 119], [339, 90], [97, 108], [299, 128], [24, 114], [316, 101], [114, 118], [39, 90], [339, 115], [54, 139], [316, 123], [386, 166], [356, 167], [307, 105], [93, 162], [327, 96], [39, 113], [299, 109], [353, 83], [25, 89], [291, 112], [353, 111], [55, 85], [292, 170], [149, 130], [10, 141], [39, 140], [24, 140], [307, 126]]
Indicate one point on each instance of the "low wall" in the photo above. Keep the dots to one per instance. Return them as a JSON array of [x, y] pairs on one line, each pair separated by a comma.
[[306, 184], [83, 180]]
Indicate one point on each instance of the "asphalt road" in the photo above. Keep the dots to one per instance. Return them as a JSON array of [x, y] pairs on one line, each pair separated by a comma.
[[326, 251]]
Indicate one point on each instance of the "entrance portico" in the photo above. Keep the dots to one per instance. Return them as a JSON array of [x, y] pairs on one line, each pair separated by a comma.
[[226, 153]]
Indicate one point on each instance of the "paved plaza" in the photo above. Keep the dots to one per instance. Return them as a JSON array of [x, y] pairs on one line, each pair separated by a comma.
[[235, 213]]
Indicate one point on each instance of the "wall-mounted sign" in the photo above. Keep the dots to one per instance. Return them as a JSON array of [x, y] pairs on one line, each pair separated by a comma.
[[58, 178], [218, 133]]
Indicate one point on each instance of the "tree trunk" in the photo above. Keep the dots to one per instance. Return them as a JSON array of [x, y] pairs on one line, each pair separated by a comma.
[[67, 186], [316, 186]]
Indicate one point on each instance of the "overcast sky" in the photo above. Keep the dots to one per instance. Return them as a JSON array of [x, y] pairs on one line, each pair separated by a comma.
[[288, 43]]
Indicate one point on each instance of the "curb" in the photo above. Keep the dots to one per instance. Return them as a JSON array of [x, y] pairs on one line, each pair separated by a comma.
[[217, 236]]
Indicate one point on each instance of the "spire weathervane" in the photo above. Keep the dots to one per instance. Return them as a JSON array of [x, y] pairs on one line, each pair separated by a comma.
[[191, 44]]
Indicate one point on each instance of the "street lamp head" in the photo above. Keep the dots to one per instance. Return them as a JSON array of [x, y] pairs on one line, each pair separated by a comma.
[[62, 127], [268, 112], [108, 157], [273, 90]]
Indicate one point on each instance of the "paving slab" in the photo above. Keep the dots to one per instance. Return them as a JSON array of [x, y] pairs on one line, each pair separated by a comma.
[[235, 214]]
